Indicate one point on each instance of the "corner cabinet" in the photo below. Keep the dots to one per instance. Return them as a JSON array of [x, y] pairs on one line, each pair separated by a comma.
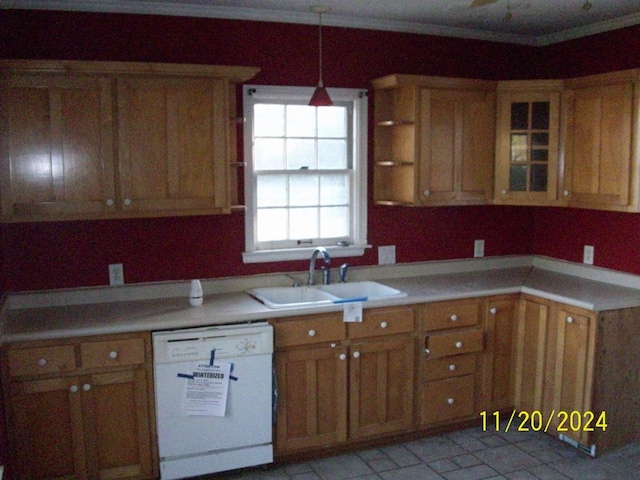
[[601, 147], [87, 140], [433, 140], [83, 408], [528, 142]]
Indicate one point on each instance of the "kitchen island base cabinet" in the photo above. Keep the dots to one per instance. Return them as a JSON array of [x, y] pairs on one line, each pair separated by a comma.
[[84, 418]]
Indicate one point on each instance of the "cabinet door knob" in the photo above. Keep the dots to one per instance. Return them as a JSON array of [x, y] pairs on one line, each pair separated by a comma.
[[454, 317], [356, 354], [493, 310], [427, 351], [505, 191], [86, 387], [569, 319], [127, 201], [312, 333], [451, 401], [458, 344], [73, 389], [343, 356], [427, 193], [452, 367], [110, 202], [566, 193], [384, 325], [42, 362], [113, 355]]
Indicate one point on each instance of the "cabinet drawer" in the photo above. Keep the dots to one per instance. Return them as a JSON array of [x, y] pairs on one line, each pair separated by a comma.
[[448, 367], [458, 313], [112, 353], [384, 321], [454, 343], [315, 329], [448, 399], [41, 360]]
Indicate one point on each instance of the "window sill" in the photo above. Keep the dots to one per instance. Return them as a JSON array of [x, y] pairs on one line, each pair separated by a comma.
[[264, 256]]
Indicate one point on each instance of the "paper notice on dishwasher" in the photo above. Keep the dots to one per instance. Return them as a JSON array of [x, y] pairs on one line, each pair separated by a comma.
[[207, 390]]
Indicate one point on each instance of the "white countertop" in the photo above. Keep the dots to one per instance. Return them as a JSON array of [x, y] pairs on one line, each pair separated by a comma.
[[80, 312]]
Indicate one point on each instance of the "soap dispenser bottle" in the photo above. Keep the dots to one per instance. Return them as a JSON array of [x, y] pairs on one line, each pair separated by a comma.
[[195, 294]]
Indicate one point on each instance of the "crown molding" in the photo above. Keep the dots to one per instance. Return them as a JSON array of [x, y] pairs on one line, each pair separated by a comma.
[[253, 14]]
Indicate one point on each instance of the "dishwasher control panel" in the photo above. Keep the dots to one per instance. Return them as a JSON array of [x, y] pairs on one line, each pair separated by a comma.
[[198, 344]]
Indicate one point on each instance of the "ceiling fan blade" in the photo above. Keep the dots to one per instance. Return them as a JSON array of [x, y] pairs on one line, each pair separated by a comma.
[[481, 3]]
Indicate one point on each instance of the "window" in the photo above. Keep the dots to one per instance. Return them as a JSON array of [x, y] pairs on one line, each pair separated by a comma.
[[305, 181]]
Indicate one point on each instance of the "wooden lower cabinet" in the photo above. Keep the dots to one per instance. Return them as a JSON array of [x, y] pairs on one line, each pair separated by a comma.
[[80, 422], [338, 384], [312, 397]]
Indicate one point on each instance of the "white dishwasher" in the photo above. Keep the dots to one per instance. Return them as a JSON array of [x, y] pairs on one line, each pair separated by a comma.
[[191, 444]]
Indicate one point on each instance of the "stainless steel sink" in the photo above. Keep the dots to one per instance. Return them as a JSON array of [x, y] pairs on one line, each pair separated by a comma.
[[292, 297]]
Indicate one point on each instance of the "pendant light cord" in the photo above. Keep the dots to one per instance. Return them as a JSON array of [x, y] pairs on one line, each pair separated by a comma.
[[320, 83]]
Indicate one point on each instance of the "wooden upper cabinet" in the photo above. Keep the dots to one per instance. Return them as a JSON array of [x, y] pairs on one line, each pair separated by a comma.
[[601, 146], [457, 131], [57, 153], [528, 142], [86, 140], [433, 140], [173, 137]]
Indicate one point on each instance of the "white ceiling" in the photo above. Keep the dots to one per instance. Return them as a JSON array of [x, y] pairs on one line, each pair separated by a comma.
[[531, 22]]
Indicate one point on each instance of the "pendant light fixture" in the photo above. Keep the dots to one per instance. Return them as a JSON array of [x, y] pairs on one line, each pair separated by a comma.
[[320, 96]]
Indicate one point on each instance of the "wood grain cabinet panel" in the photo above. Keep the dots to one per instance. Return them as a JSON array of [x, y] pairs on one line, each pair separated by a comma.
[[90, 420]]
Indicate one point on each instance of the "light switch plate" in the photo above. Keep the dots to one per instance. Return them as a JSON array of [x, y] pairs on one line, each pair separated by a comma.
[[478, 248], [116, 274], [387, 255], [588, 254]]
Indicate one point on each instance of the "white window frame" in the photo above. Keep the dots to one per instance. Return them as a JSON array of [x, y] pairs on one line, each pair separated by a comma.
[[358, 201]]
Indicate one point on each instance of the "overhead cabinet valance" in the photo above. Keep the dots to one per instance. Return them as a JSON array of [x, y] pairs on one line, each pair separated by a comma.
[[86, 140]]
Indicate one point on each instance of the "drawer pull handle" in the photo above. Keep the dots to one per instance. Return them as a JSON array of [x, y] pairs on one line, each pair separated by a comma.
[[312, 333], [458, 344], [452, 367], [569, 319], [113, 355], [454, 317], [493, 310], [73, 389], [356, 354], [42, 362], [343, 356], [451, 401], [384, 325], [86, 387]]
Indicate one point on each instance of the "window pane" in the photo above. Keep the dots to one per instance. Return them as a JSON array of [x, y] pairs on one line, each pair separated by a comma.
[[540, 155], [334, 190], [540, 139], [332, 122], [301, 121], [271, 191], [334, 222], [304, 223], [268, 120], [538, 178], [332, 154], [272, 224], [519, 116], [268, 153], [301, 154], [540, 115], [519, 147], [518, 178], [303, 190]]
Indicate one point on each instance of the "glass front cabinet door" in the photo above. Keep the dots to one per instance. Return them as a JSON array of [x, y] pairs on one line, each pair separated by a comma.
[[527, 142]]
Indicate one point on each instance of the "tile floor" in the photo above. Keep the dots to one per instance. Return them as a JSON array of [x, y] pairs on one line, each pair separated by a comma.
[[465, 455]]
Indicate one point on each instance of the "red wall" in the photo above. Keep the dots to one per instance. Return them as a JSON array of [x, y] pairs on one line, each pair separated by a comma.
[[71, 254]]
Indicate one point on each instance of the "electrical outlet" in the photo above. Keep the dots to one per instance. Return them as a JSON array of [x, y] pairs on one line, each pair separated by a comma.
[[386, 255], [116, 274], [587, 256], [478, 248]]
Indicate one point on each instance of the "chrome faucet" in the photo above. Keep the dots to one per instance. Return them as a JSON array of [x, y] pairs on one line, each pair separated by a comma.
[[312, 266], [343, 272]]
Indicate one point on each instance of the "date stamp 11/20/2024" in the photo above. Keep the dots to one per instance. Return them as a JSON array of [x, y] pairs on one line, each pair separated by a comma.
[[537, 421]]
